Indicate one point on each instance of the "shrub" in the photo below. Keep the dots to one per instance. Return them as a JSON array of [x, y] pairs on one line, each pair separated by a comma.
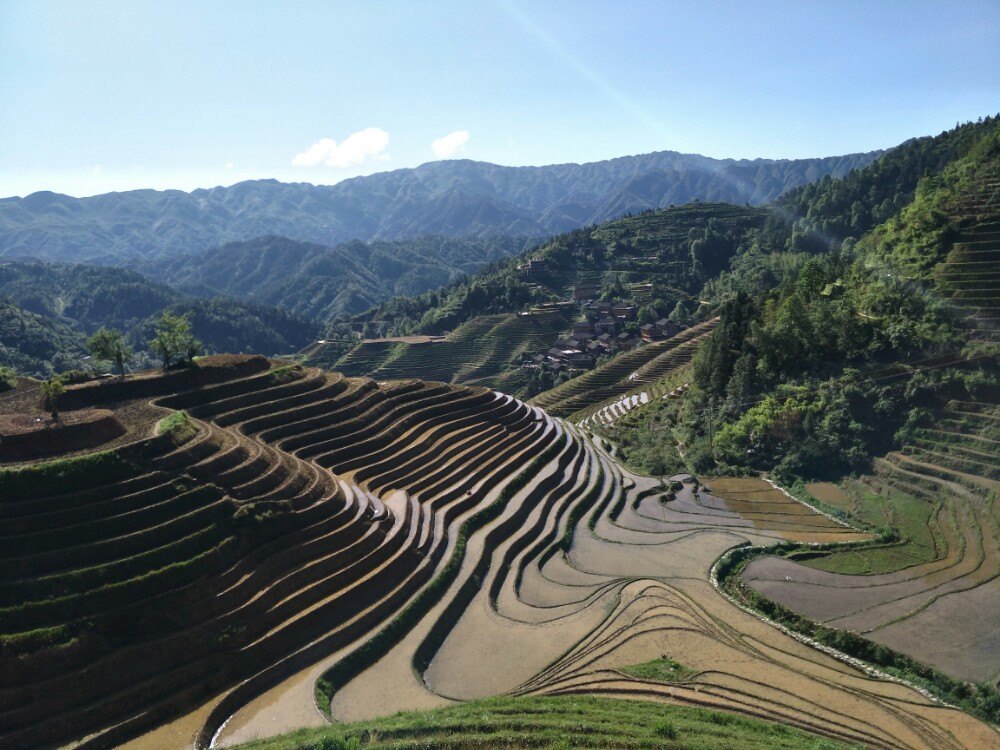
[[52, 392], [666, 729], [8, 379]]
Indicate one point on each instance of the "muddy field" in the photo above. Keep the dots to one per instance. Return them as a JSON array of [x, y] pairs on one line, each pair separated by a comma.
[[940, 602]]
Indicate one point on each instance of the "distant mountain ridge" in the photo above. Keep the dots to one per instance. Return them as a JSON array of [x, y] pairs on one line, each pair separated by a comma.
[[455, 198]]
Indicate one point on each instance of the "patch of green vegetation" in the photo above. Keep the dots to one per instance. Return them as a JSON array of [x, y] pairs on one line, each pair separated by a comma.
[[284, 374], [663, 669], [8, 378], [178, 426], [554, 722], [797, 377], [910, 542], [64, 475], [646, 438]]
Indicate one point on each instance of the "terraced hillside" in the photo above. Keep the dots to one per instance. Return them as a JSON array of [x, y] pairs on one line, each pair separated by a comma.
[[478, 351], [970, 276], [934, 593], [588, 570], [174, 571], [640, 367], [303, 536]]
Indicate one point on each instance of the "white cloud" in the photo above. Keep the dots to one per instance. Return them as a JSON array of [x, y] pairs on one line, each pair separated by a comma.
[[96, 169], [230, 165], [450, 144], [357, 148]]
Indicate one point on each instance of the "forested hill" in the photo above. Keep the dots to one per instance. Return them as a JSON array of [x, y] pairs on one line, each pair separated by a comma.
[[453, 198], [47, 310], [321, 282]]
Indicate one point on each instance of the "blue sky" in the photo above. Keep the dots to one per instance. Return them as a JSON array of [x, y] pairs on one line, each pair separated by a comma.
[[98, 96]]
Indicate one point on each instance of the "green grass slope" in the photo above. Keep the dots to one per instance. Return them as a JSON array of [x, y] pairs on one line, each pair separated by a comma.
[[554, 722]]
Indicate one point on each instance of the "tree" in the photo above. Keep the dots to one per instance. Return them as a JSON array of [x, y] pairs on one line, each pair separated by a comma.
[[680, 314], [8, 378], [52, 391], [174, 339], [110, 345]]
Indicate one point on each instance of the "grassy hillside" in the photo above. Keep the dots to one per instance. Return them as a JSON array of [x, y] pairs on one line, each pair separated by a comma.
[[554, 723]]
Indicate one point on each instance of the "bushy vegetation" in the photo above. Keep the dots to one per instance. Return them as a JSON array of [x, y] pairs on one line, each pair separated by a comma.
[[8, 378], [833, 210], [663, 669], [804, 377], [178, 426], [54, 477]]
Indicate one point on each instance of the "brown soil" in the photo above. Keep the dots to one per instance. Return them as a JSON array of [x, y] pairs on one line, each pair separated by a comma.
[[27, 436], [829, 493]]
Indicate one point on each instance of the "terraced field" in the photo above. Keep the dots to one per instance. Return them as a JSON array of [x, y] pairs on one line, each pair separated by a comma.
[[935, 593], [476, 352], [644, 366], [970, 276], [305, 537]]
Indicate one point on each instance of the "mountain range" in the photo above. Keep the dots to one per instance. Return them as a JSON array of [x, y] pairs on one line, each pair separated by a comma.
[[455, 198]]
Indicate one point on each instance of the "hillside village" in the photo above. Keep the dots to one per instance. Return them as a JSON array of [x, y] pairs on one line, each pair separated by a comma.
[[605, 328]]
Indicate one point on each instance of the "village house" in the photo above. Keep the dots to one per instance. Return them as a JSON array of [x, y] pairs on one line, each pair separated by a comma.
[[668, 327], [622, 311], [586, 291], [536, 267], [601, 307], [605, 325], [650, 332], [625, 341], [578, 359]]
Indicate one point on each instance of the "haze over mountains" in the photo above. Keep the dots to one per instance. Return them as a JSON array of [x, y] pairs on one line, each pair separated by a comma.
[[457, 198]]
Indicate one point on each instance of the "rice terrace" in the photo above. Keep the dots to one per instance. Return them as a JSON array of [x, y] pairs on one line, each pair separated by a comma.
[[462, 376]]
